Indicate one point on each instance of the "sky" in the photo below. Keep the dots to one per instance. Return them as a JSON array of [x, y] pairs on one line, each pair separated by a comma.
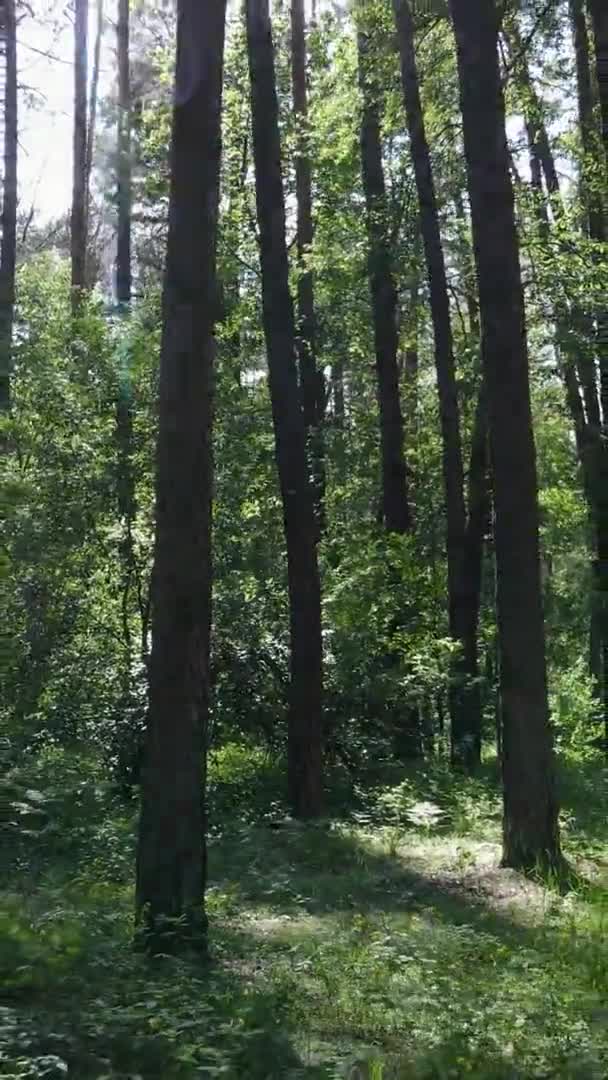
[[45, 131], [45, 58]]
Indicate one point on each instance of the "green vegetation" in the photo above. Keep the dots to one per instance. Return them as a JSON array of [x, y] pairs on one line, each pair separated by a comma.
[[384, 935], [304, 554]]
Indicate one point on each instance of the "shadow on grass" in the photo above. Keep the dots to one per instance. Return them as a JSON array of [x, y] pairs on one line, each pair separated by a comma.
[[319, 871], [79, 1001]]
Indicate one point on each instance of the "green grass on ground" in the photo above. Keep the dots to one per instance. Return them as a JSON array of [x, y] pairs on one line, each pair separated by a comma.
[[383, 943]]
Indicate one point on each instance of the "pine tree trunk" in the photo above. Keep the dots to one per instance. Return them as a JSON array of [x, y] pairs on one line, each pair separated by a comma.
[[171, 854], [78, 244], [588, 127], [92, 123], [311, 379], [127, 505], [469, 753], [599, 21], [597, 444], [8, 32], [465, 719], [396, 511], [305, 771], [579, 374], [530, 834], [123, 172]]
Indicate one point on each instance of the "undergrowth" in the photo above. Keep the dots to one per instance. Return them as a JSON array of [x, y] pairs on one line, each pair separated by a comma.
[[383, 942]]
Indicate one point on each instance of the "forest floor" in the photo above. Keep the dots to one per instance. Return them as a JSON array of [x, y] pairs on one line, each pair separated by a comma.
[[384, 942]]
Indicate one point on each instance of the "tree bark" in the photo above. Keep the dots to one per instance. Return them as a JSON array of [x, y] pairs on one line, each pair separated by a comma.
[[8, 31], [579, 374], [395, 497], [587, 124], [123, 172], [171, 861], [465, 717], [469, 753], [599, 21], [78, 242], [530, 832], [92, 121], [305, 766], [596, 221], [311, 379], [597, 444]]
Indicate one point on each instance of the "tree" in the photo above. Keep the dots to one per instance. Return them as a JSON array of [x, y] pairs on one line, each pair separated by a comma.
[[396, 511], [123, 170], [94, 93], [587, 121], [595, 222], [305, 723], [599, 22], [8, 36], [463, 575], [311, 379], [78, 241], [530, 831], [577, 351], [171, 859], [126, 490]]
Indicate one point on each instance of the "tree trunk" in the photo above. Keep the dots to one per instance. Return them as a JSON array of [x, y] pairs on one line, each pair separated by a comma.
[[78, 247], [93, 115], [586, 115], [599, 21], [395, 498], [578, 365], [530, 833], [465, 723], [305, 772], [171, 857], [8, 32], [592, 198], [123, 172], [579, 373], [468, 752], [127, 504], [597, 444], [311, 379]]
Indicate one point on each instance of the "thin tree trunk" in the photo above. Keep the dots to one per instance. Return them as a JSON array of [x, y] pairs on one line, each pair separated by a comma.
[[78, 246], [8, 31], [592, 198], [305, 771], [411, 363], [311, 379], [465, 720], [123, 172], [597, 444], [471, 576], [530, 833], [395, 497], [588, 127], [468, 270], [536, 179], [599, 21], [171, 860], [578, 365], [127, 506], [578, 371], [93, 111]]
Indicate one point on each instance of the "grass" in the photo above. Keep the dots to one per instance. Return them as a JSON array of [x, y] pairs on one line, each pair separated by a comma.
[[383, 942]]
